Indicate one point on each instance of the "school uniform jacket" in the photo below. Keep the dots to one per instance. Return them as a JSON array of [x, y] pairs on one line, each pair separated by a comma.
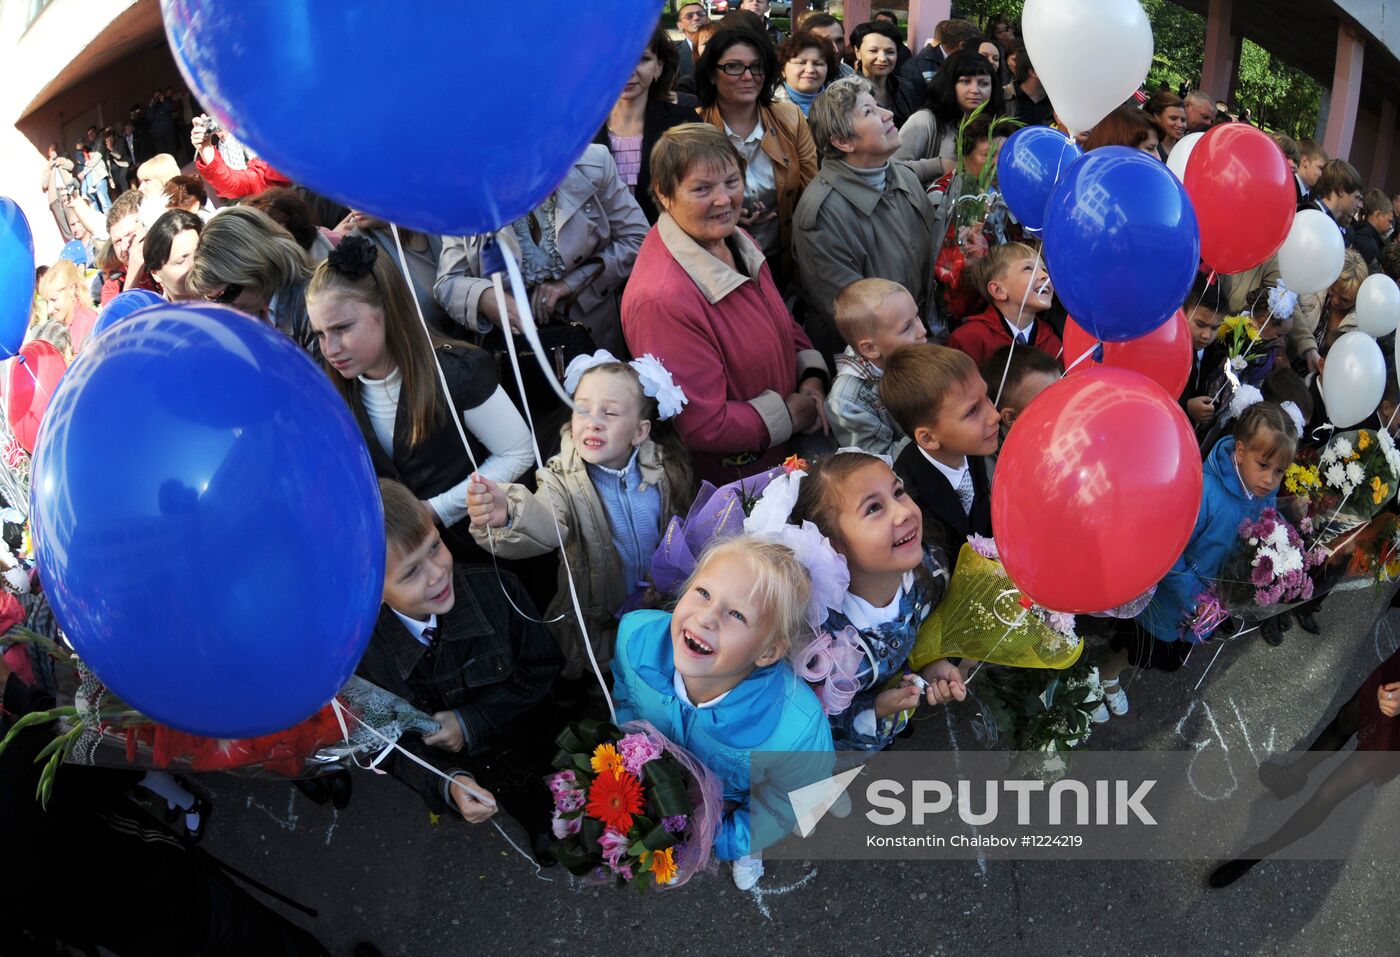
[[946, 525]]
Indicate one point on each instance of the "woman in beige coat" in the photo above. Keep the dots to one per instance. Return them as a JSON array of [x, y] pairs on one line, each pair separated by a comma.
[[576, 250]]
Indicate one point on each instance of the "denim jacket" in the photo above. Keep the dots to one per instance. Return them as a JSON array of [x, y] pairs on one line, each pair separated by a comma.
[[488, 665], [771, 710], [887, 649], [858, 417]]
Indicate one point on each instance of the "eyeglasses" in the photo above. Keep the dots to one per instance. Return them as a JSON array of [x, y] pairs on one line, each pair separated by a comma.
[[231, 292], [756, 70]]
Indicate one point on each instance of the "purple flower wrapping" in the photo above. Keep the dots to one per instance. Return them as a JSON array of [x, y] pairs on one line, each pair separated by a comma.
[[716, 513]]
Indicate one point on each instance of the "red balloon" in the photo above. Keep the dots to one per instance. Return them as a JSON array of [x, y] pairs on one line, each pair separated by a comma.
[[1163, 355], [1244, 196], [33, 377], [1096, 491]]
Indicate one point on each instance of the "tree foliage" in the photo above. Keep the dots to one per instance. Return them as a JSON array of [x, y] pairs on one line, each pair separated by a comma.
[[1277, 95]]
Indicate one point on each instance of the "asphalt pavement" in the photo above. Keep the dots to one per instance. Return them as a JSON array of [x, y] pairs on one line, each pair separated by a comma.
[[381, 870]]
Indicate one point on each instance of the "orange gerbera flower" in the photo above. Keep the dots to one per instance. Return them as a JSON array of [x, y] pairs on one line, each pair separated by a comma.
[[663, 866], [614, 798], [606, 758], [794, 463]]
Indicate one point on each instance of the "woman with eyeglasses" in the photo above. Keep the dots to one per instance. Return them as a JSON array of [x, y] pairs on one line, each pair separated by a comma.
[[734, 81], [247, 261]]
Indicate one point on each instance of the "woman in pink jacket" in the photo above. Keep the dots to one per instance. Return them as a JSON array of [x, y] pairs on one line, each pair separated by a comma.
[[702, 300]]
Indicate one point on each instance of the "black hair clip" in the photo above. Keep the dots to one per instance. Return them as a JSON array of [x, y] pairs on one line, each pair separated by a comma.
[[354, 257]]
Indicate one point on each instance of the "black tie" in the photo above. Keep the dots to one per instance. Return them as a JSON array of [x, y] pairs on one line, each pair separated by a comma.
[[429, 635]]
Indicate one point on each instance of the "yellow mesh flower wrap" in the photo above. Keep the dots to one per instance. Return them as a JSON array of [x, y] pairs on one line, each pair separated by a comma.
[[975, 620]]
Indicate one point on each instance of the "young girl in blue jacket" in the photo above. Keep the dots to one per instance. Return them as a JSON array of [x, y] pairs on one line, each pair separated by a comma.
[[1242, 476], [713, 677]]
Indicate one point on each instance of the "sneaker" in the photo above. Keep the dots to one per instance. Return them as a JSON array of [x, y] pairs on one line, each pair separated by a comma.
[[747, 871], [1100, 714], [1115, 697]]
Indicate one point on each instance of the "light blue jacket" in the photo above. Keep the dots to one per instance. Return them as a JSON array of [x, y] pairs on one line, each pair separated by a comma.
[[1225, 504], [771, 710]]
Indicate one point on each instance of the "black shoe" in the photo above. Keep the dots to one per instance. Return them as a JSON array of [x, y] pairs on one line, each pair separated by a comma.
[[1229, 872], [315, 789], [1307, 620], [1272, 631], [1283, 780], [540, 842], [340, 784]]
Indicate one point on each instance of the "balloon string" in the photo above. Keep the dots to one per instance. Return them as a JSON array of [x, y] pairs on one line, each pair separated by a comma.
[[1025, 297], [1201, 298], [456, 419], [1087, 353], [390, 746], [527, 324], [1014, 625]]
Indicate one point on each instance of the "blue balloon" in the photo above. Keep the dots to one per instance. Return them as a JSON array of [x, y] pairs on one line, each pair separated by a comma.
[[207, 522], [74, 252], [16, 276], [460, 123], [1032, 160], [1121, 243], [124, 304]]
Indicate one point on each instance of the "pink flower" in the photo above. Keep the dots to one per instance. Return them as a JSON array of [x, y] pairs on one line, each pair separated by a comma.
[[562, 781], [569, 800], [563, 826], [614, 846], [636, 750]]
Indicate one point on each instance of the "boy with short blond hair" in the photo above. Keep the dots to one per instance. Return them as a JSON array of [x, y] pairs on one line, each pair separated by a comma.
[[1013, 280], [875, 317], [450, 642], [937, 396]]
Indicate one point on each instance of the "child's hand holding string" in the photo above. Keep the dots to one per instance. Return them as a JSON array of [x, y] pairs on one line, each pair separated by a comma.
[[904, 696], [486, 503], [945, 682]]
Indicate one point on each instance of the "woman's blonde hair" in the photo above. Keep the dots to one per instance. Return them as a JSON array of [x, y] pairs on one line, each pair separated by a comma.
[[244, 247], [60, 276], [161, 167], [781, 585], [384, 288], [1353, 274]]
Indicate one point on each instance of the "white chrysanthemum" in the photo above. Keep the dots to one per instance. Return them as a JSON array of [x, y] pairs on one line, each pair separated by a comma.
[[1335, 475], [1356, 475], [1342, 447]]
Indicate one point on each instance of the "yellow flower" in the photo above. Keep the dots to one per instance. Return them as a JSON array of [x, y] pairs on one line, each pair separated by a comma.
[[606, 758], [1363, 439], [1380, 491], [663, 866]]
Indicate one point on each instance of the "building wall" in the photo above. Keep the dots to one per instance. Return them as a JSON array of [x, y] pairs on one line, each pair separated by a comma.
[[34, 54]]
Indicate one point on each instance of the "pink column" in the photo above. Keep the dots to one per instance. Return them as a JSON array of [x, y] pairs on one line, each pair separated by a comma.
[[924, 15], [1218, 65], [1385, 133], [854, 13], [1346, 92]]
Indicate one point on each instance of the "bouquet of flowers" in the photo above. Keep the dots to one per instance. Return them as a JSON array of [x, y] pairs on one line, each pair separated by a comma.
[[97, 728], [1270, 571], [1036, 714], [631, 806], [984, 616], [1359, 471], [715, 513]]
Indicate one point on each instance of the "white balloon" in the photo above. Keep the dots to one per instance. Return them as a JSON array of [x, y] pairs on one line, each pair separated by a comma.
[[1353, 379], [1378, 305], [1090, 55], [1310, 259], [1181, 152]]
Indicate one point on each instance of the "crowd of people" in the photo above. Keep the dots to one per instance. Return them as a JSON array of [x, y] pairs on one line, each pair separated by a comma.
[[754, 262]]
